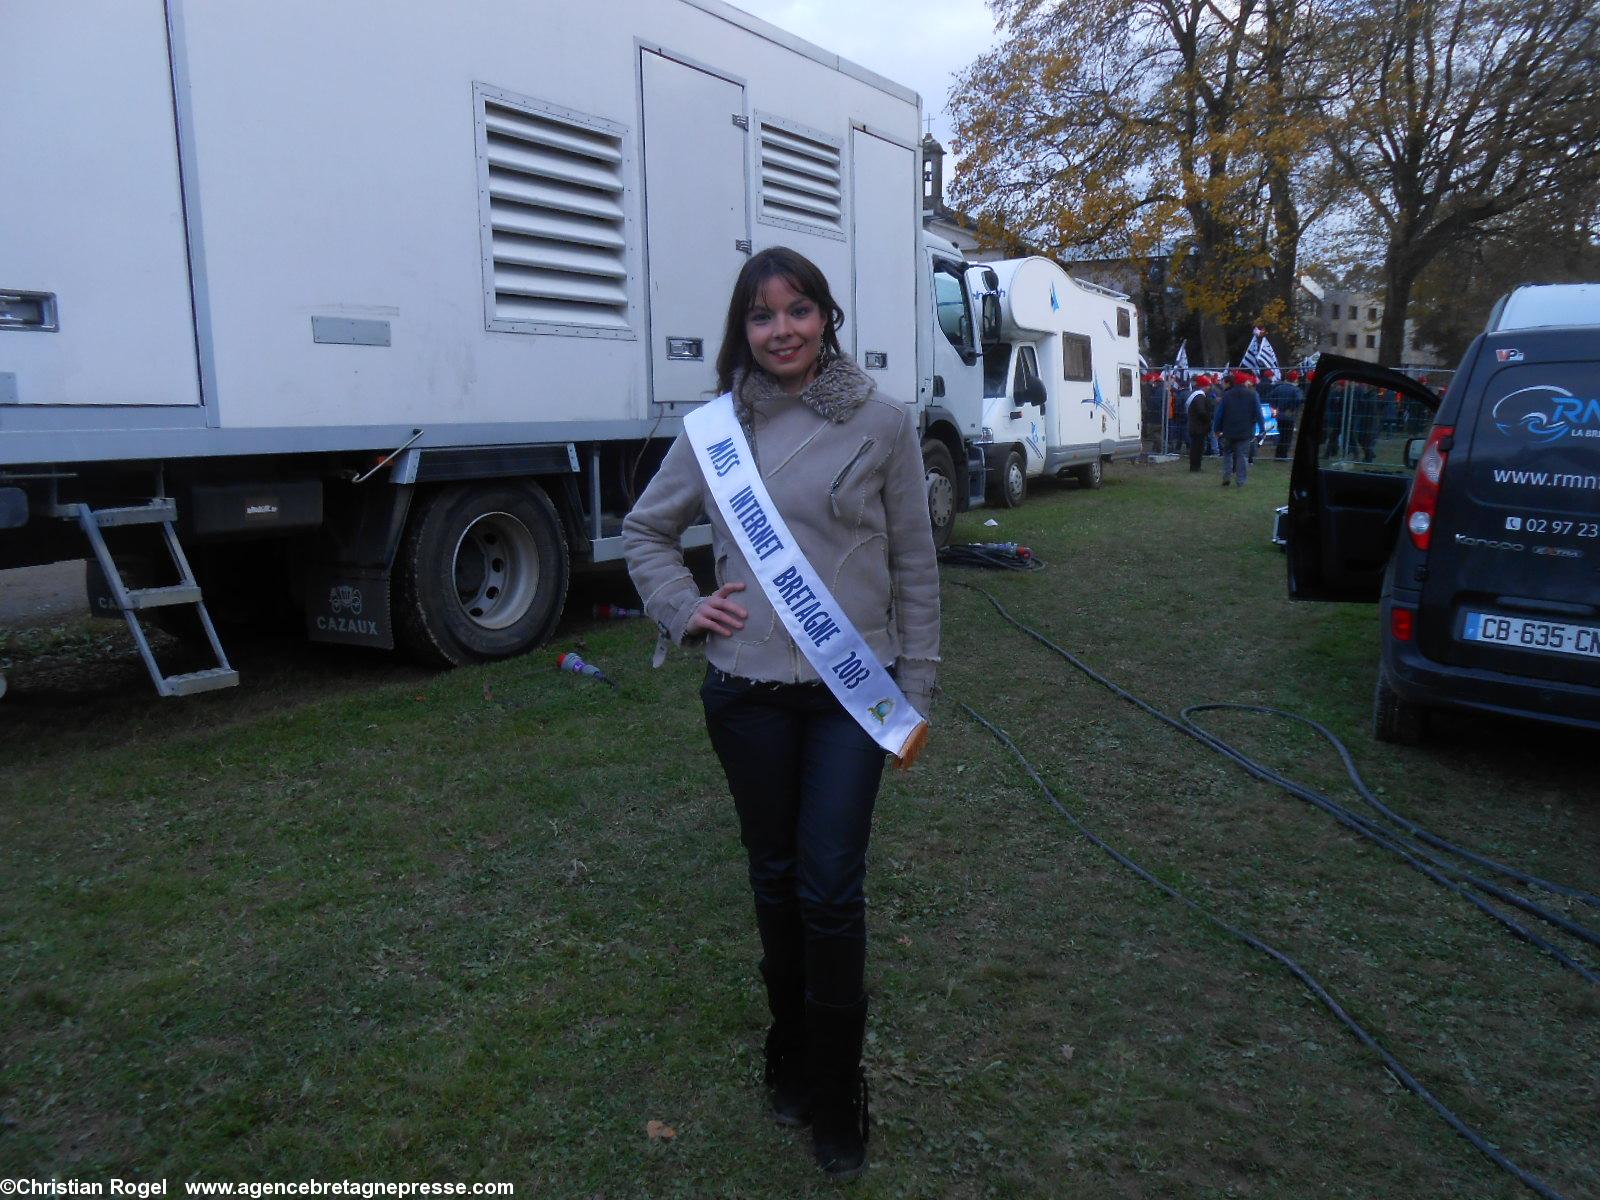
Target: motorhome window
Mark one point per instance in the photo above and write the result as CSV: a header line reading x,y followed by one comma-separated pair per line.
x,y
1027,370
1124,323
1124,382
1076,365
996,369
952,304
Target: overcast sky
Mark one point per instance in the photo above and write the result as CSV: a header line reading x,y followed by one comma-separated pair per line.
x,y
918,43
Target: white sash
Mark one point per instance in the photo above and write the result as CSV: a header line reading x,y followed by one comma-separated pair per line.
x,y
802,601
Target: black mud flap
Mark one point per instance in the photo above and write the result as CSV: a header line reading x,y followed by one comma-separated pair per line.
x,y
102,603
349,606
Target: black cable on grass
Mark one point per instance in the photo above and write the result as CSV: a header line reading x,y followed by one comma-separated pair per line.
x,y
1434,867
997,556
1405,823
1393,1064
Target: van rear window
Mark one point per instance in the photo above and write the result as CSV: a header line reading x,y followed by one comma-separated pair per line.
x,y
1536,441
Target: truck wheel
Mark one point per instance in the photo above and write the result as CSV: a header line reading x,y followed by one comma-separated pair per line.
x,y
939,472
1090,475
1012,488
1393,720
482,573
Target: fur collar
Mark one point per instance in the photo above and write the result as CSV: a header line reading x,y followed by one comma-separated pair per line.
x,y
838,390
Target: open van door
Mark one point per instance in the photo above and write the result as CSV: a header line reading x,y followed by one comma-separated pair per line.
x,y
1351,476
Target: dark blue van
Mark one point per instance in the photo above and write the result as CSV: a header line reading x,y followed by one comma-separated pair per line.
x,y
1472,519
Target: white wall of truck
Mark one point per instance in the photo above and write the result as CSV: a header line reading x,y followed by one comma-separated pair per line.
x,y
265,243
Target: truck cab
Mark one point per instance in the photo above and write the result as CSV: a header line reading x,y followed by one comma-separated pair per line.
x,y
956,320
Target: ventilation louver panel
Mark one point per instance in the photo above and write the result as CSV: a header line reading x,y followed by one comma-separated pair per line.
x,y
800,179
557,220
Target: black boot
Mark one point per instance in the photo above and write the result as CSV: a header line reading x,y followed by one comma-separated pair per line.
x,y
839,1115
788,1089
783,970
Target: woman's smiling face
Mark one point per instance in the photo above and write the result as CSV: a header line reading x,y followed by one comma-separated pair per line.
x,y
784,329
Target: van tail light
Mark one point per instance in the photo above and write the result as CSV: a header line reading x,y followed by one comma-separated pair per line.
x,y
1402,623
1424,500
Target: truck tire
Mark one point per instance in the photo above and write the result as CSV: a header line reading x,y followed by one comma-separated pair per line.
x,y
1011,488
1090,475
939,473
1393,720
482,573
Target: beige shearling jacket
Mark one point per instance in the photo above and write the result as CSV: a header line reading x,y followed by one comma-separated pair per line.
x,y
852,490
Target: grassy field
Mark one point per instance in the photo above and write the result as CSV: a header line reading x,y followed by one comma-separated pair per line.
x,y
357,920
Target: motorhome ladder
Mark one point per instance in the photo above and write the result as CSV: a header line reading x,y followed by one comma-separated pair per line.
x,y
162,511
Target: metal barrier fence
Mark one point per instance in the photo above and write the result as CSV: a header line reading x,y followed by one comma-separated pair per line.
x,y
1368,426
1361,423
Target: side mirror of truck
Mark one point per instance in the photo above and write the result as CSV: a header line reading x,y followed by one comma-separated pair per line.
x,y
1415,448
969,349
990,304
1033,393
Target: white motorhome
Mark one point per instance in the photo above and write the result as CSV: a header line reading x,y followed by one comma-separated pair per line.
x,y
391,311
1061,381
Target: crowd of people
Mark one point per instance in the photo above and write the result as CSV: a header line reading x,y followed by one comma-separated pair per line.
x,y
1225,415
1192,418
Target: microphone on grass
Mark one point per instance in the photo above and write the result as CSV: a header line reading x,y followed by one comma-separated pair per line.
x,y
571,662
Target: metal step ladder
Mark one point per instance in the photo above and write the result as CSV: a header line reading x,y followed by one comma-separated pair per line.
x,y
162,511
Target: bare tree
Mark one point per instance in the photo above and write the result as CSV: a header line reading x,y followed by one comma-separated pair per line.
x,y
1454,114
1557,242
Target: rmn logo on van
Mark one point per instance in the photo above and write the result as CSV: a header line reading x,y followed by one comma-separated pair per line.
x,y
1545,413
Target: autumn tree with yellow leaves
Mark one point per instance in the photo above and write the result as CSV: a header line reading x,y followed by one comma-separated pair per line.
x,y
1220,132
1127,127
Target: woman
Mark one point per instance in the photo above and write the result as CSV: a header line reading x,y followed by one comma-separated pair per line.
x,y
843,466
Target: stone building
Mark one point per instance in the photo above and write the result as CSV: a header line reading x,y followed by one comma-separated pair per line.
x,y
1347,322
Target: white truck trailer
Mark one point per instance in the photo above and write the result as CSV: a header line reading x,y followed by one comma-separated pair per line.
x,y
255,250
1061,379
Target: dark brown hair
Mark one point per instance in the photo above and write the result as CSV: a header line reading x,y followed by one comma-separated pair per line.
x,y
800,273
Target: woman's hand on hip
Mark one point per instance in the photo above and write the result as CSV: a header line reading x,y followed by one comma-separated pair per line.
x,y
717,613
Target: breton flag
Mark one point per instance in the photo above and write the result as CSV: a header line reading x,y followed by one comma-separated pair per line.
x,y
1261,357
1180,365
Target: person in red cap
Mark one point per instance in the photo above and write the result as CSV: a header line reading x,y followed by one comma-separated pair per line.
x,y
1198,408
1238,420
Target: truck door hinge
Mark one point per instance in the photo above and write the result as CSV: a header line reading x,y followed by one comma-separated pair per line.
x,y
742,121
743,246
